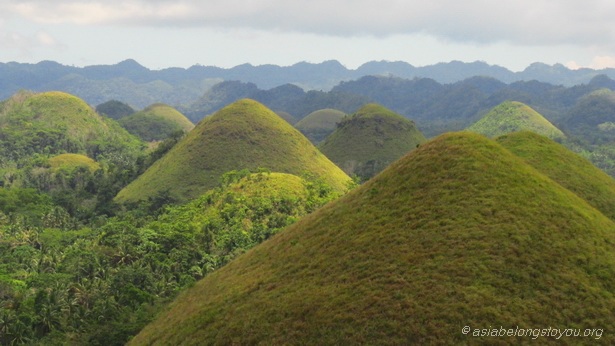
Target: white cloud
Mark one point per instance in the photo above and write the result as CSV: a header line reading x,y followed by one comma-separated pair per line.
x,y
602,62
483,21
23,45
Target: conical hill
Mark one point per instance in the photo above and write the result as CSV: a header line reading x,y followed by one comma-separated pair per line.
x,y
369,140
156,122
243,135
512,116
319,124
460,232
565,167
56,122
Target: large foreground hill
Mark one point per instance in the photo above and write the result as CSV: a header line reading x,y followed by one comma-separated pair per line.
x,y
243,135
568,169
460,232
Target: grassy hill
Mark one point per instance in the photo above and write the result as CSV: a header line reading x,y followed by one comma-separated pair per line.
x,y
593,109
319,124
512,116
460,232
156,122
70,162
52,123
568,169
243,135
369,140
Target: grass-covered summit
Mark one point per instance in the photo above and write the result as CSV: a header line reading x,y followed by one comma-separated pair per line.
x,y
319,124
72,162
512,116
460,232
243,135
568,169
156,122
54,122
367,141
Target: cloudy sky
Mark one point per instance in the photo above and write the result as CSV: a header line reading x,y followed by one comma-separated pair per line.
x,y
226,33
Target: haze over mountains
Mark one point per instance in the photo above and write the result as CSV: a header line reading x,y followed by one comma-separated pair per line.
x,y
139,86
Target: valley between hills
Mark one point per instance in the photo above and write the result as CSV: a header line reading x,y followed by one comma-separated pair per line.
x,y
387,210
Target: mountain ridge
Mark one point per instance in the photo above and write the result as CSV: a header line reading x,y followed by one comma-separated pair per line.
x,y
170,83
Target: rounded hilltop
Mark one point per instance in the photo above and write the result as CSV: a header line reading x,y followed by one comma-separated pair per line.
x,y
319,124
156,122
367,141
512,116
55,122
242,135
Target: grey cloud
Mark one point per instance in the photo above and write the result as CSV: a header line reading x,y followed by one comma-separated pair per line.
x,y
481,21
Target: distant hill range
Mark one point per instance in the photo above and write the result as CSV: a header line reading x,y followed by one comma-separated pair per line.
x,y
139,86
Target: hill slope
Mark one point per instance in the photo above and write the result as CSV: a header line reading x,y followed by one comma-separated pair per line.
x,y
156,122
512,116
317,125
459,232
369,140
565,167
243,135
53,123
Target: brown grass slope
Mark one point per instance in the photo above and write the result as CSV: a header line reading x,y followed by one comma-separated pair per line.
x,y
459,232
570,170
243,135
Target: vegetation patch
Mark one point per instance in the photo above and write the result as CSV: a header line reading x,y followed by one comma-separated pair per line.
x,y
70,162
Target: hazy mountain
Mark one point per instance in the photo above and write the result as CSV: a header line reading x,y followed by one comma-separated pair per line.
x,y
132,83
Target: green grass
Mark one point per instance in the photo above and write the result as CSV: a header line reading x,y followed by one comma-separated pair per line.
x,y
55,122
156,122
512,116
565,167
458,232
243,135
319,124
369,140
70,162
